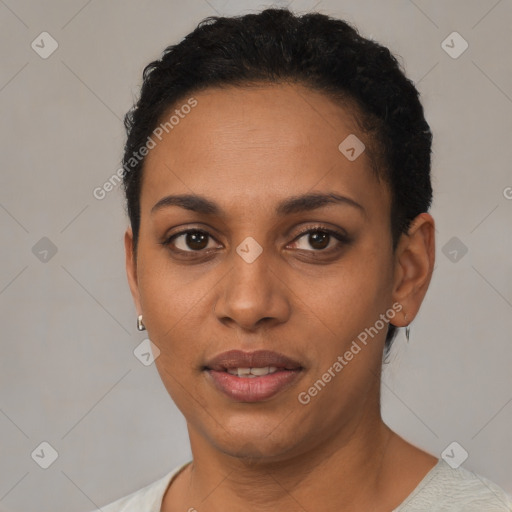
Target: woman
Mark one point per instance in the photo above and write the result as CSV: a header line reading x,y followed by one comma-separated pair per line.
x,y
277,176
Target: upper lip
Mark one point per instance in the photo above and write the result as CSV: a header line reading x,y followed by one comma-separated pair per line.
x,y
256,359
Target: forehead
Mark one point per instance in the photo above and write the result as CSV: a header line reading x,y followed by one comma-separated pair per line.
x,y
258,143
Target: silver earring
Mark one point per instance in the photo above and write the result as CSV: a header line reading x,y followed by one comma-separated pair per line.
x,y
407,330
140,325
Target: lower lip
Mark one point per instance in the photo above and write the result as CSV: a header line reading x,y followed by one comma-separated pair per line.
x,y
257,389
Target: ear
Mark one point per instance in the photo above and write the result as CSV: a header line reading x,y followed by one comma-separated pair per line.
x,y
414,264
131,269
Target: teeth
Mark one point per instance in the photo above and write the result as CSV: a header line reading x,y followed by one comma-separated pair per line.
x,y
252,372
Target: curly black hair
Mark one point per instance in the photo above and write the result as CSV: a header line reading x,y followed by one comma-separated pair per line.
x,y
320,52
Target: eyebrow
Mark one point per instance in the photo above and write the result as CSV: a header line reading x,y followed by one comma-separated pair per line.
x,y
291,205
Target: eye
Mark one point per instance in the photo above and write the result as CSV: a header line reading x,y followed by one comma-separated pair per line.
x,y
319,239
192,240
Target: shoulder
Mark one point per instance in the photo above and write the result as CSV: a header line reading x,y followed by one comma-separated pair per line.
x,y
148,498
449,490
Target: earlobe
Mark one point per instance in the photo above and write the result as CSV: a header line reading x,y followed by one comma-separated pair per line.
x,y
131,269
414,264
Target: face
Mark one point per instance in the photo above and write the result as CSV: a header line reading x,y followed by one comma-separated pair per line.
x,y
249,266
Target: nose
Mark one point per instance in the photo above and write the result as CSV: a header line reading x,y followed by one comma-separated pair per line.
x,y
253,295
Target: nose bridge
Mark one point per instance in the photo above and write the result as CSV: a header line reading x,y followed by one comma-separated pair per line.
x,y
252,290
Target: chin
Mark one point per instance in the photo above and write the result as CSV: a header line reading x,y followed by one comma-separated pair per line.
x,y
258,442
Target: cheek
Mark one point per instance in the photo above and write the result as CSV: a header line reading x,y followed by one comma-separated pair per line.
x,y
168,291
174,312
353,294
171,299
346,322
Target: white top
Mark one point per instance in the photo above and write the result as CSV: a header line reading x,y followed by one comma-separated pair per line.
x,y
443,489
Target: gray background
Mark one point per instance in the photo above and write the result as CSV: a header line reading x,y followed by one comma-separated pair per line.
x,y
68,375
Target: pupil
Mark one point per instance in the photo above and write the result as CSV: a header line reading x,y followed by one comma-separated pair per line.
x,y
318,238
196,240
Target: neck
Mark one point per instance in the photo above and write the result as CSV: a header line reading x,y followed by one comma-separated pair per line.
x,y
348,469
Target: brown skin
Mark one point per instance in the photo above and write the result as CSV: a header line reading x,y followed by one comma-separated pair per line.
x,y
247,149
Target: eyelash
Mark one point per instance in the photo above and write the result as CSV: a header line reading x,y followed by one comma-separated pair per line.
x,y
338,235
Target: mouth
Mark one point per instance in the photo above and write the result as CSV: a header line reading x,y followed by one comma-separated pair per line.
x,y
252,376
257,360
251,373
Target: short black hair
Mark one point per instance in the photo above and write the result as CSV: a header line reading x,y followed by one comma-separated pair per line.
x,y
318,51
